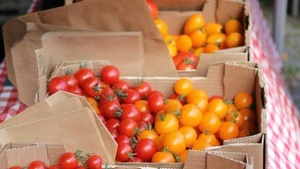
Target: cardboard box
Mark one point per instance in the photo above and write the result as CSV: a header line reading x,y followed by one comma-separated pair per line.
x,y
219,11
23,35
23,153
224,79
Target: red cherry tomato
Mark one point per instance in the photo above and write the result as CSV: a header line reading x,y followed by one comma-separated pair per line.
x,y
37,165
83,74
128,127
68,160
130,96
129,111
56,84
122,138
144,88
76,90
92,87
156,102
152,8
110,74
123,152
94,162
145,148
71,80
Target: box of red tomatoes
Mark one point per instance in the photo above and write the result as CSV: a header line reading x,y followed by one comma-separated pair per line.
x,y
220,118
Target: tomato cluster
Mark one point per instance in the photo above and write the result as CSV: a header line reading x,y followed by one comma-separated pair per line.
x,y
68,160
152,127
199,37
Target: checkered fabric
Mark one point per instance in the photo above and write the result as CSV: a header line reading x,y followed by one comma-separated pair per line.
x,y
9,103
283,125
283,130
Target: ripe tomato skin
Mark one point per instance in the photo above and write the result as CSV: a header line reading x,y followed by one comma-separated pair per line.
x,y
92,87
183,86
122,138
56,84
165,123
174,141
37,165
110,74
243,100
145,148
109,109
120,86
83,74
156,102
94,162
15,167
147,118
218,107
128,127
129,111
68,160
210,123
132,96
163,157
228,130
122,152
190,115
113,123
152,8
144,88
71,80
76,90
195,21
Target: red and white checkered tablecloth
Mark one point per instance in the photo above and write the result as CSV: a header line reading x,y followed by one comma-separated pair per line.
x,y
283,119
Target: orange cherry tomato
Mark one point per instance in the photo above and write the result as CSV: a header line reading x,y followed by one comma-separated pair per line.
x,y
195,21
165,123
183,156
243,100
211,48
161,26
195,93
234,39
249,115
200,102
218,107
148,133
190,115
233,25
183,86
189,134
212,28
174,141
142,106
200,144
231,108
236,117
253,129
198,51
228,130
210,138
163,157
244,133
210,123
184,43
217,38
198,37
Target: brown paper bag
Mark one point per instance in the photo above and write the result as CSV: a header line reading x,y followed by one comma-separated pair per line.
x,y
104,15
76,130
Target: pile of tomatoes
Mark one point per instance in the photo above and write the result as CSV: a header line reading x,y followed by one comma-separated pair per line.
x,y
152,127
68,160
198,37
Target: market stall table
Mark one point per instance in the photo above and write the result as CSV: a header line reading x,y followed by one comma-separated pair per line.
x,y
283,121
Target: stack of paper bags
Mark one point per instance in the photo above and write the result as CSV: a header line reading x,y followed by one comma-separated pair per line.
x,y
63,118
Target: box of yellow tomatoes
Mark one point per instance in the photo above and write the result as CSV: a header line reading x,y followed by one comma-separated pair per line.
x,y
198,33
